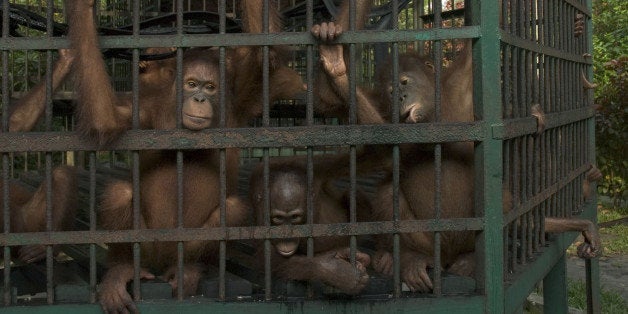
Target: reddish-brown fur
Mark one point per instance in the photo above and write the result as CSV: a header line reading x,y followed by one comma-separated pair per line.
x,y
28,208
417,190
104,115
288,206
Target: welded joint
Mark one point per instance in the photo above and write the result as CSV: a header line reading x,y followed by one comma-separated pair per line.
x,y
537,112
586,84
498,131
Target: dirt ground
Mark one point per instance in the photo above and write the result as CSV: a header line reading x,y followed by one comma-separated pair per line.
x,y
613,272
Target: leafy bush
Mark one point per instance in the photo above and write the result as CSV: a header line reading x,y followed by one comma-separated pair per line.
x,y
610,44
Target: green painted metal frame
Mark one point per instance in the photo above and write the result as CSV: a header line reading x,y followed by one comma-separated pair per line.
x,y
453,305
488,156
490,133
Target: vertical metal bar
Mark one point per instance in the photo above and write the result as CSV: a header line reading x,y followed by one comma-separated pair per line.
x,y
515,82
554,24
488,156
49,251
515,244
136,159
526,19
5,157
569,28
539,157
563,29
503,8
521,27
543,23
180,224
546,171
396,164
417,9
309,120
92,226
510,81
529,77
513,17
591,265
48,156
562,169
521,191
266,158
437,61
551,84
352,120
222,11
180,157
534,21
505,235
135,68
521,84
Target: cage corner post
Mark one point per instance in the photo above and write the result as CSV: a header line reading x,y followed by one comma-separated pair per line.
x,y
489,155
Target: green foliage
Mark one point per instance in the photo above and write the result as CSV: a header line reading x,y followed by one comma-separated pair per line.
x,y
615,240
612,302
607,213
610,45
576,294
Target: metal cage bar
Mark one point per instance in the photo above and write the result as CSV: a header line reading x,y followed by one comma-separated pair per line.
x,y
517,46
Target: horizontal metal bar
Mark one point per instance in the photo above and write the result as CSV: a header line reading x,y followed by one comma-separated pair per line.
x,y
450,305
538,48
513,128
557,119
320,135
239,233
230,40
537,199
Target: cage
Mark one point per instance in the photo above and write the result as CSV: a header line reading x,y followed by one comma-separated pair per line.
x,y
525,55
